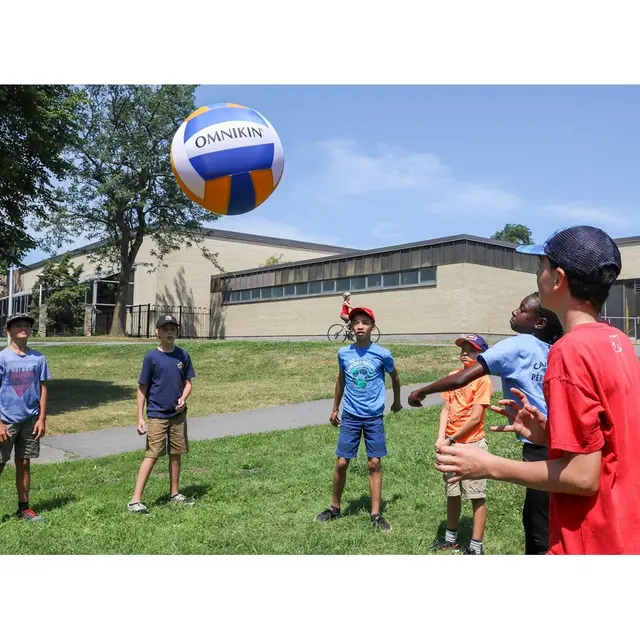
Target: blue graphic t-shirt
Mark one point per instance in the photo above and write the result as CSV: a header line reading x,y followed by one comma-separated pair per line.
x,y
364,371
164,374
20,384
521,362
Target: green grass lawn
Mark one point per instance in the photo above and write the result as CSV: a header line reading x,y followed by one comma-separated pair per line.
x,y
94,387
257,494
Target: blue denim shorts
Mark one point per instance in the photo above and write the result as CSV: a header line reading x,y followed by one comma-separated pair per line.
x,y
351,430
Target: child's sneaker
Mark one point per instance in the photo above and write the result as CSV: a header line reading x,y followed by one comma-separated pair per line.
x,y
379,522
29,514
137,507
443,545
180,499
328,514
470,552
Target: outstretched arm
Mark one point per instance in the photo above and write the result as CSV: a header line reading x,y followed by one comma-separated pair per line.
x,y
451,382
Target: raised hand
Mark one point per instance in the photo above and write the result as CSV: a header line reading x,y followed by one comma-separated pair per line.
x,y
526,420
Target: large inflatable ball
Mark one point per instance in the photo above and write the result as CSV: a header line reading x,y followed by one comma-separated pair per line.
x,y
227,158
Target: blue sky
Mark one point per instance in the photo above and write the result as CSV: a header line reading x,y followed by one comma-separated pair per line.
x,y
369,166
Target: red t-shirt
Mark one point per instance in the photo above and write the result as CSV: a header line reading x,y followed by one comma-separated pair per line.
x,y
592,389
345,310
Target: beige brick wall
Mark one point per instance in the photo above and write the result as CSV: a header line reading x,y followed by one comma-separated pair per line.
x,y
186,280
630,262
467,298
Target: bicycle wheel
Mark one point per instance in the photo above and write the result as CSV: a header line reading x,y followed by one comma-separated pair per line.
x,y
337,333
375,334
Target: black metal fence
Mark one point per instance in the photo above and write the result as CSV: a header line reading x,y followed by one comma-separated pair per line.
x,y
195,322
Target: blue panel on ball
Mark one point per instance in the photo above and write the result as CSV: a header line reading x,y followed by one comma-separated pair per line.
x,y
217,116
240,160
242,197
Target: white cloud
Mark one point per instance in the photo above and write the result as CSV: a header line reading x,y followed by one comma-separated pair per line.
x,y
581,213
347,171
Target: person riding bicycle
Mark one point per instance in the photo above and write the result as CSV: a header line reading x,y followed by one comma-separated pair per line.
x,y
346,307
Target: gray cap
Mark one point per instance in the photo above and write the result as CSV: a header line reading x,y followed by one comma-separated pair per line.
x,y
19,316
166,319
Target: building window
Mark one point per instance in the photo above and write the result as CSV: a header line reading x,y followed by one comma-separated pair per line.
x,y
390,279
377,281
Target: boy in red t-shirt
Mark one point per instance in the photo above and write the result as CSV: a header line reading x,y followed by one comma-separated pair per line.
x,y
346,307
591,388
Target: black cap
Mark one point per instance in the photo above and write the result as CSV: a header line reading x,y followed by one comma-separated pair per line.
x,y
19,316
583,251
166,319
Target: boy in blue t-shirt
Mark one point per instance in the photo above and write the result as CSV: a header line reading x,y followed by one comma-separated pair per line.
x,y
23,407
520,362
362,368
165,385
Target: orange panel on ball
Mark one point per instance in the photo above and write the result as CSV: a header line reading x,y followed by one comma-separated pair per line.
x,y
216,195
262,184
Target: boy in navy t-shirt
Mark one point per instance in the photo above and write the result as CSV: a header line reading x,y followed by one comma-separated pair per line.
x,y
362,368
165,385
23,407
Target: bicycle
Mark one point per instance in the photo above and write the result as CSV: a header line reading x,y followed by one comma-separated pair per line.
x,y
339,333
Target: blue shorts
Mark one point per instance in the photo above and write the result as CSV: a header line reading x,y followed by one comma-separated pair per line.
x,y
351,429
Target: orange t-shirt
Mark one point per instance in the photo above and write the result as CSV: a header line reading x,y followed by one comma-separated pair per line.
x,y
461,404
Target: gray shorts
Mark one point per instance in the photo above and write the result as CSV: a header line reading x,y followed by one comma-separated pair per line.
x,y
21,436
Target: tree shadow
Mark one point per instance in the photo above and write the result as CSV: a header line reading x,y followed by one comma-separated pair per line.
x,y
71,394
192,492
363,503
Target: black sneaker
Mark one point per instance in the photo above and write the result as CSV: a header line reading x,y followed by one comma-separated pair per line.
x,y
443,545
328,514
470,552
379,522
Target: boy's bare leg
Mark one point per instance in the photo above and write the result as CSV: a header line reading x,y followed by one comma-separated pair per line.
x,y
375,484
454,508
174,474
479,518
23,479
339,480
143,476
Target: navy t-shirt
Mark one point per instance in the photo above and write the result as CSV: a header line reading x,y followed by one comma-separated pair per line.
x,y
165,374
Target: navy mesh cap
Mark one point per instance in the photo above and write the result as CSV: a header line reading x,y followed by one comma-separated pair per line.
x,y
583,251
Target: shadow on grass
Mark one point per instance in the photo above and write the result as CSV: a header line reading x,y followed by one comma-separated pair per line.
x,y
192,492
363,503
67,395
465,528
47,505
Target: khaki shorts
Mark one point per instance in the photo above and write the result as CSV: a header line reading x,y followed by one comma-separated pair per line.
x,y
21,437
167,434
469,489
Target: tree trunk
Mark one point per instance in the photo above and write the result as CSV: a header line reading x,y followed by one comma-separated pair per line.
x,y
119,322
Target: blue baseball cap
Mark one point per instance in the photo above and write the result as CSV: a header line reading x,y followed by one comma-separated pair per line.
x,y
474,340
581,250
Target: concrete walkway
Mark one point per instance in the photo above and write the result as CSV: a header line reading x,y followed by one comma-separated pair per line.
x,y
95,444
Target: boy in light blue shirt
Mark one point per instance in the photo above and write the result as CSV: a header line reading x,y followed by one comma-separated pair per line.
x,y
520,362
361,374
23,407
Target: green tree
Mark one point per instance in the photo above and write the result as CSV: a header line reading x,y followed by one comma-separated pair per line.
x,y
38,127
276,258
63,294
123,189
515,233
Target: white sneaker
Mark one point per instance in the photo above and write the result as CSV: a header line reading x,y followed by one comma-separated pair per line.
x,y
180,499
137,507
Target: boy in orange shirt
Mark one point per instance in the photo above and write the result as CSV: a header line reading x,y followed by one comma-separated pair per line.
x,y
462,423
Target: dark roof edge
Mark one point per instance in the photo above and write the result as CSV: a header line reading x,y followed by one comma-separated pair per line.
x,y
367,252
218,233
